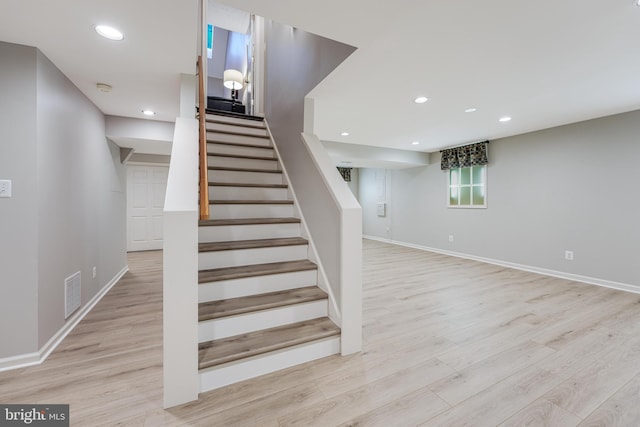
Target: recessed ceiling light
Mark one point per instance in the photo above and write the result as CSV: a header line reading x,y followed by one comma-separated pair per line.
x,y
345,134
471,110
504,119
421,100
148,113
109,32
637,2
415,143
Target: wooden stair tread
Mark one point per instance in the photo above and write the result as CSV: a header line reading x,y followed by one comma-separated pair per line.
x,y
246,221
234,306
226,350
229,273
241,184
242,156
212,112
223,168
244,134
237,144
250,244
251,202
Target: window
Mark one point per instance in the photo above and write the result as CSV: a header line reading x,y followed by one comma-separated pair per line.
x,y
468,187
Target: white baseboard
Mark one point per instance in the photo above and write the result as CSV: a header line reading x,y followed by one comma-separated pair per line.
x,y
553,273
30,359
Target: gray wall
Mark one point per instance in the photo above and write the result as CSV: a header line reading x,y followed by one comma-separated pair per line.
x,y
18,227
573,187
294,56
77,201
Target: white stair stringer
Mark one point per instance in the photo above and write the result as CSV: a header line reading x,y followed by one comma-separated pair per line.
x,y
240,370
243,323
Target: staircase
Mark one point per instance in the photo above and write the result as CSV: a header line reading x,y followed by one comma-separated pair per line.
x,y
260,309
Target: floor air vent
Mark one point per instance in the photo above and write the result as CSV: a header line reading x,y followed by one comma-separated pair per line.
x,y
72,285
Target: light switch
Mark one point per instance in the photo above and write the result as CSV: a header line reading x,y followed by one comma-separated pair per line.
x,y
381,209
5,188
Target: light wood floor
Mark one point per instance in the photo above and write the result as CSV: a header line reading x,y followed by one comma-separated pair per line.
x,y
448,342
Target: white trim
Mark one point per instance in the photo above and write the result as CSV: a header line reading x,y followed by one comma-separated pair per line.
x,y
30,359
546,272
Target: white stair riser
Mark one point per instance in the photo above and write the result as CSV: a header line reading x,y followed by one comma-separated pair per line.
x,y
240,370
238,139
250,211
236,120
242,129
239,150
226,233
245,177
235,162
247,193
240,257
229,326
236,288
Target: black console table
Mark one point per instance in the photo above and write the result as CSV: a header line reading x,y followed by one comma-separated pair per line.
x,y
224,104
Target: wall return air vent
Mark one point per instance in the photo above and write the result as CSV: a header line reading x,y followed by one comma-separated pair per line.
x,y
72,286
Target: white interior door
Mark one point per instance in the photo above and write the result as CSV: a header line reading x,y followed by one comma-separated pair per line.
x,y
146,186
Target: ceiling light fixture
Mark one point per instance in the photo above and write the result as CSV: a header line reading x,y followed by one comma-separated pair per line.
x,y
109,32
103,87
415,143
637,2
421,100
344,134
471,110
148,113
505,119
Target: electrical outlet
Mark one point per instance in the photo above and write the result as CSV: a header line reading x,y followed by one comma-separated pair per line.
x,y
5,188
95,272
568,255
450,237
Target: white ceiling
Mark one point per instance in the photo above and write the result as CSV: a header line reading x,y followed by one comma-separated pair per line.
x,y
144,68
545,63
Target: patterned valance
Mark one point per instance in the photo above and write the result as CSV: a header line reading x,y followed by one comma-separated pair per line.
x,y
346,173
465,156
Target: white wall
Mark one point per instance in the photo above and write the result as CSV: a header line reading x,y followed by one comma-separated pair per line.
x,y
18,228
75,218
567,188
294,55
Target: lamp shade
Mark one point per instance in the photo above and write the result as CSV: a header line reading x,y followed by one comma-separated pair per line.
x,y
233,79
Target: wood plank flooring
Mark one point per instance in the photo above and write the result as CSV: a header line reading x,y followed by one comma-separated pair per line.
x,y
447,342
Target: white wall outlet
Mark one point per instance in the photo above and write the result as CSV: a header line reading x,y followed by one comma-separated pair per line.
x,y
5,188
568,255
95,272
450,237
